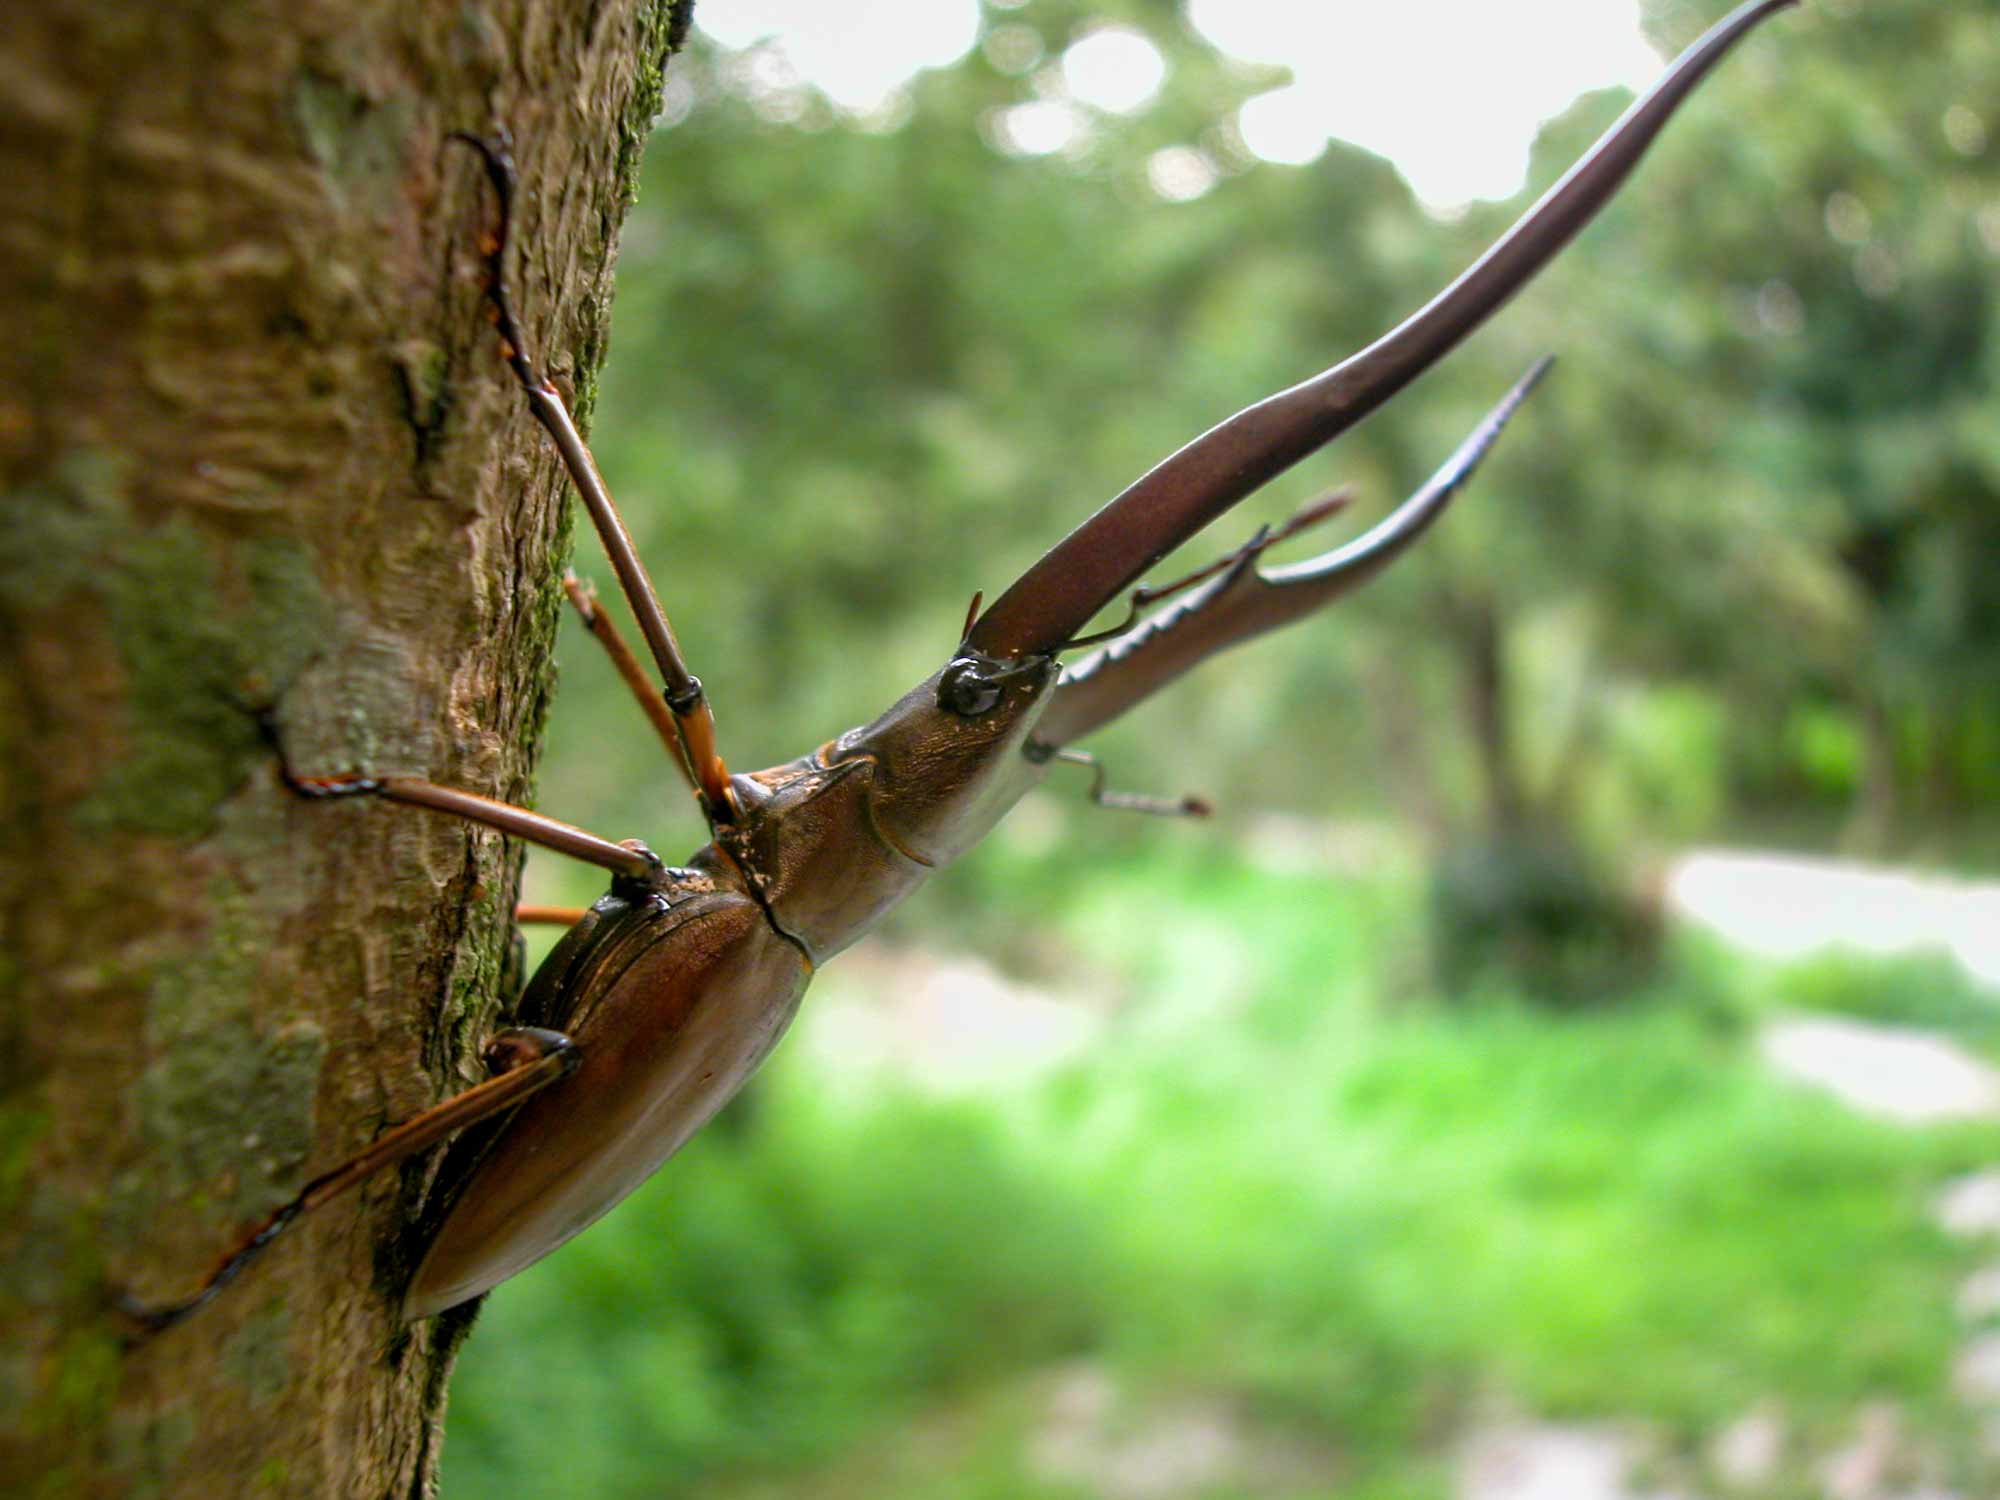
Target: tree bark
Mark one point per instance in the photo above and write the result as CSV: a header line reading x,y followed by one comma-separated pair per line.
x,y
258,448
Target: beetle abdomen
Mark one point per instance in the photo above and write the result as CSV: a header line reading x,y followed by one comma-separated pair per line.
x,y
693,1015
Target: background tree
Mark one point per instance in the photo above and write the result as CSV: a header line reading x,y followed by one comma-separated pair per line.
x,y
1862,464
257,448
1801,460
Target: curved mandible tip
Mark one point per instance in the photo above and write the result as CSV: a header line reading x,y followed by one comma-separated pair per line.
x,y
1346,568
1247,603
1052,602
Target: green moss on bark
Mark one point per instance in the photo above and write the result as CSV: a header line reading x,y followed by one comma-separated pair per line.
x,y
200,647
20,1128
146,1448
258,1358
362,143
226,1098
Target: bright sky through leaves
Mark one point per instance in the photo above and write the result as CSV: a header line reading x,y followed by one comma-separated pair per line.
x,y
856,52
1451,91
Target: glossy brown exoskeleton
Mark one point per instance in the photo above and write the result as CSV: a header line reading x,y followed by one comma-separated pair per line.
x,y
663,998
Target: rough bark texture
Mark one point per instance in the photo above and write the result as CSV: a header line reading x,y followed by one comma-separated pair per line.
x,y
257,446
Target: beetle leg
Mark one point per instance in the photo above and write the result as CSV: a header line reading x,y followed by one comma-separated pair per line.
x,y
630,859
524,1061
555,916
694,721
1159,807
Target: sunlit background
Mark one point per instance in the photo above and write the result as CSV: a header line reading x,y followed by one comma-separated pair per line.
x,y
1399,80
1564,1068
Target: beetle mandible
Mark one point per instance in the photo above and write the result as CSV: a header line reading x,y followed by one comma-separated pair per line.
x,y
661,1000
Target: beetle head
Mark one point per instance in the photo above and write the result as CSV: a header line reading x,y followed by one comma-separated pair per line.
x,y
947,757
838,837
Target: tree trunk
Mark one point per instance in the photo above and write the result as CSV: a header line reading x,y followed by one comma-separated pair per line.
x,y
258,448
1874,812
1475,619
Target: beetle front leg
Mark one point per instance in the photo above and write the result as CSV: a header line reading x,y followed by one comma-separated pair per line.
x,y
693,720
630,859
524,1061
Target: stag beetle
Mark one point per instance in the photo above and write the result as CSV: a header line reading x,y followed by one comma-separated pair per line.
x,y
661,1000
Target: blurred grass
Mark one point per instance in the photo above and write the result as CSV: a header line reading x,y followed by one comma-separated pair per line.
x,y
1286,1175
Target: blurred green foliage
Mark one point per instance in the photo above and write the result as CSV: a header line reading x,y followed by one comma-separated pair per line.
x,y
1732,571
1280,1176
1931,991
861,372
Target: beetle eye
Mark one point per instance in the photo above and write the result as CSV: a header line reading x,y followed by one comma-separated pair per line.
x,y
967,689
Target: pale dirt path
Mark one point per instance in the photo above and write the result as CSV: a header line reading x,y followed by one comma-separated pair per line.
x,y
1792,905
1786,906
